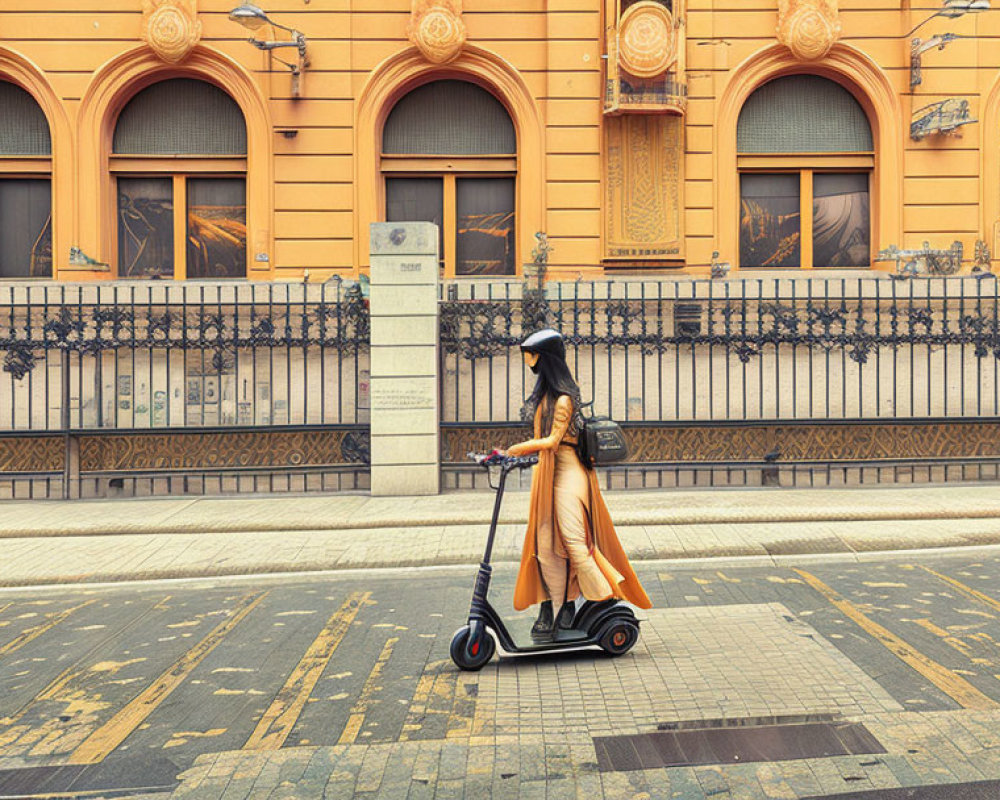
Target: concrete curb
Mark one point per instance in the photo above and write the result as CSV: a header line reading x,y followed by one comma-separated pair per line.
x,y
361,512
622,519
98,559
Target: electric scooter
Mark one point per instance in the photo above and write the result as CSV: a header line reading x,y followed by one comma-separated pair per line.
x,y
611,627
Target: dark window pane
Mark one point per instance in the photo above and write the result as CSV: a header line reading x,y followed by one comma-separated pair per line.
x,y
216,228
25,229
416,200
449,118
485,242
181,116
145,227
770,232
24,131
841,220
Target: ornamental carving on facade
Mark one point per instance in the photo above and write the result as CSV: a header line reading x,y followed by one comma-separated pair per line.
x,y
171,28
436,29
809,28
646,42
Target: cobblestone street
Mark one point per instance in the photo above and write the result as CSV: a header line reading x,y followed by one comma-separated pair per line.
x,y
334,686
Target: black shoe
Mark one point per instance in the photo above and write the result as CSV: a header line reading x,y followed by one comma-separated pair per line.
x,y
567,613
542,628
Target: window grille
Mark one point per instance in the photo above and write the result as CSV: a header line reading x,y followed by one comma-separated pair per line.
x,y
803,114
181,116
449,118
24,131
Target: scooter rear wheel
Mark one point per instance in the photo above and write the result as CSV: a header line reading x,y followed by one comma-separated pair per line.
x,y
461,656
619,637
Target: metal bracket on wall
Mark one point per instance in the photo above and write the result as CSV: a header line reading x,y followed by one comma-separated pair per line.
x,y
944,117
918,47
935,262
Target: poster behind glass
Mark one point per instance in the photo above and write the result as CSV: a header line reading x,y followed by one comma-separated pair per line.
x,y
485,236
25,228
216,228
416,200
145,228
770,229
841,220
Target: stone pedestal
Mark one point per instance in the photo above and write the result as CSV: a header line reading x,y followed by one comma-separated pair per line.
x,y
404,358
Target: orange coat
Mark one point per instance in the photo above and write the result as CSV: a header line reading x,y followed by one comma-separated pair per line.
x,y
602,539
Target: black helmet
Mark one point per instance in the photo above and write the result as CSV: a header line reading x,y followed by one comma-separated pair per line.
x,y
546,340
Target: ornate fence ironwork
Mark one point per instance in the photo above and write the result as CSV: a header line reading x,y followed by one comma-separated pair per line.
x,y
281,366
661,354
744,325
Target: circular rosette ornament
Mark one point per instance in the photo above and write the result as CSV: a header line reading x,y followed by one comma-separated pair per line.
x,y
439,34
810,33
171,29
646,43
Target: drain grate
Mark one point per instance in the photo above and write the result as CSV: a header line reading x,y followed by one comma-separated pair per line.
x,y
734,743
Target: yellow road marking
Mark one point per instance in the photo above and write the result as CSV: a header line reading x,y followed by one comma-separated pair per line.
x,y
33,633
357,718
946,637
278,721
418,707
58,683
462,709
968,591
5,606
957,688
106,738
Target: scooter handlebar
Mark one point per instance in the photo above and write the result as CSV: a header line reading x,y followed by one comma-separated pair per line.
x,y
498,459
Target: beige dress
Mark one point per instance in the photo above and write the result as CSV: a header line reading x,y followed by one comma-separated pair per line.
x,y
570,547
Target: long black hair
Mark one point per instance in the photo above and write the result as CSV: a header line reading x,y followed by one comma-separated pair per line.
x,y
554,377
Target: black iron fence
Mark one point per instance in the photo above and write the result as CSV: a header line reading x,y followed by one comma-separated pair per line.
x,y
151,388
738,381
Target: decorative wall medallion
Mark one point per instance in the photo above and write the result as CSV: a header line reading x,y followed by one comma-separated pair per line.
x,y
171,28
646,42
437,29
809,28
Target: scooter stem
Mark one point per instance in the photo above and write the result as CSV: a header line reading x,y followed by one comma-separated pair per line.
x,y
496,515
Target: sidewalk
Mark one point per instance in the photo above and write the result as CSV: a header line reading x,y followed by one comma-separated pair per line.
x,y
45,542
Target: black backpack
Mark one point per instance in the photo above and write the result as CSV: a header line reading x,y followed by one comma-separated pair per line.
x,y
601,442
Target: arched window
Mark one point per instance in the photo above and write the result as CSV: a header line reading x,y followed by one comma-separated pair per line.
x,y
805,156
25,186
449,156
179,162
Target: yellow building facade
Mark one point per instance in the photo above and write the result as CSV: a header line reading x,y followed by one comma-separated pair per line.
x,y
641,137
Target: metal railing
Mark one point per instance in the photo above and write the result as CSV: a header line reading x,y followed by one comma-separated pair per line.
x,y
109,366
699,353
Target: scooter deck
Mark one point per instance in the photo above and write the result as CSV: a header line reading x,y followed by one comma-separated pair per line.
x,y
567,640
564,636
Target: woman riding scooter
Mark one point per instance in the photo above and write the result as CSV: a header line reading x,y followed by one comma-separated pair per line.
x,y
570,547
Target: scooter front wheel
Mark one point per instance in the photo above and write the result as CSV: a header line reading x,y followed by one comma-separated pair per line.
x,y
461,652
619,637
